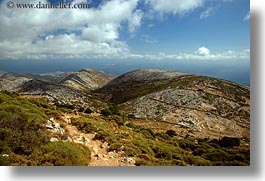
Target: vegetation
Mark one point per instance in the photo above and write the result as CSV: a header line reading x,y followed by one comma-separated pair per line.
x,y
25,141
60,153
151,148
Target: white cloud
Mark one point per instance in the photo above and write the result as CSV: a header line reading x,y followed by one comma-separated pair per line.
x,y
135,21
203,51
50,33
208,12
227,55
247,16
88,33
175,7
100,33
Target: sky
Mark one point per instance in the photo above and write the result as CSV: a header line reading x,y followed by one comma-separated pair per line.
x,y
141,30
148,29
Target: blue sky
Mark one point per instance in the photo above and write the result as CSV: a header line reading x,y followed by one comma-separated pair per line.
x,y
223,30
128,29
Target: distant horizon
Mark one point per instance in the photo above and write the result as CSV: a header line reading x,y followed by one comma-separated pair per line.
x,y
236,71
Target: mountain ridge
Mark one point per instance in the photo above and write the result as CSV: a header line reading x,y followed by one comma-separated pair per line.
x,y
143,117
204,105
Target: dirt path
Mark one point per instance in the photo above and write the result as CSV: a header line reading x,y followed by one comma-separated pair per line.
x,y
99,150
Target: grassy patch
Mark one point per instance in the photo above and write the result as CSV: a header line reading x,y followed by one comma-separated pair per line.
x,y
24,140
61,154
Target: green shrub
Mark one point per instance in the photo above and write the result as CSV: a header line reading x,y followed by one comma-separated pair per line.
x,y
162,152
115,146
132,150
217,155
229,142
81,109
142,162
84,125
106,112
53,113
105,136
61,154
171,133
111,110
196,160
118,119
19,135
66,106
147,133
199,151
88,111
188,144
143,145
162,136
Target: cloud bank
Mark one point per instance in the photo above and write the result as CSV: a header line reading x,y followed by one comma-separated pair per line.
x,y
48,33
201,54
90,33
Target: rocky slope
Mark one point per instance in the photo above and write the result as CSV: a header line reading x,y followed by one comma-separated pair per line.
x,y
159,99
144,117
136,84
65,90
190,104
85,79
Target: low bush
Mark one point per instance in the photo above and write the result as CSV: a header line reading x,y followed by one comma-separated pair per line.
x,y
106,112
171,133
188,144
61,154
111,110
88,111
142,162
115,146
229,142
196,160
118,119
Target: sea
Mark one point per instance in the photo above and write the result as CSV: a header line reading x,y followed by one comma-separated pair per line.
x,y
233,70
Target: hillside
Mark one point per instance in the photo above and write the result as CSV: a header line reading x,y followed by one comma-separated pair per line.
x,y
189,104
85,79
69,90
137,83
143,117
35,133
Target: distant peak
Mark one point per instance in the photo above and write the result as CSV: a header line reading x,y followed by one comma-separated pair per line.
x,y
143,75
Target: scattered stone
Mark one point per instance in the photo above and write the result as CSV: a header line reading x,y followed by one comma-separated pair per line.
x,y
57,125
49,126
104,145
129,160
69,139
54,140
78,142
100,156
95,150
67,119
86,139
